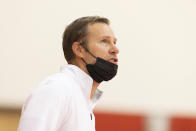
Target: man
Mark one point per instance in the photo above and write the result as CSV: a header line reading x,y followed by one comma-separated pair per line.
x,y
65,101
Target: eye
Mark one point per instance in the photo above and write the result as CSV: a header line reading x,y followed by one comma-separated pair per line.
x,y
104,40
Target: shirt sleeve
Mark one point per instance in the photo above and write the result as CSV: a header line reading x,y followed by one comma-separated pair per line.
x,y
44,110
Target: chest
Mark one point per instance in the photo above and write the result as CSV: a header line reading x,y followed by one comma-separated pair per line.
x,y
81,117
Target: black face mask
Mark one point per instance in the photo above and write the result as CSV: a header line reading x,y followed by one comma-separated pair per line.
x,y
102,70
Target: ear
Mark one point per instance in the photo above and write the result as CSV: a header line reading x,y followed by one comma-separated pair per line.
x,y
78,50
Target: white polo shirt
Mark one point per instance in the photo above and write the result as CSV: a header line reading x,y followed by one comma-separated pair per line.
x,y
61,103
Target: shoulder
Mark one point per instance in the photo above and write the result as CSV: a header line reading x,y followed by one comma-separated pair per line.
x,y
54,91
58,85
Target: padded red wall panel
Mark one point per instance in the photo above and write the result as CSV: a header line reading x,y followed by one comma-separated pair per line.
x,y
118,122
179,123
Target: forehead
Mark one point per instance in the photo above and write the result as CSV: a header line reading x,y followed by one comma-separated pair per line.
x,y
100,30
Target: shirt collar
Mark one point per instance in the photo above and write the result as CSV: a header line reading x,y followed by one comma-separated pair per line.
x,y
85,82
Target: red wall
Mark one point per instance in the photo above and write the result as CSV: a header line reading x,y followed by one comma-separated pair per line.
x,y
118,122
183,123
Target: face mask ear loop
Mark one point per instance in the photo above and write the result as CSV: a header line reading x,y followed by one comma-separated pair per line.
x,y
84,61
88,50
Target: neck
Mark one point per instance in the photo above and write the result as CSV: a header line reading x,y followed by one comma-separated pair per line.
x,y
82,66
95,85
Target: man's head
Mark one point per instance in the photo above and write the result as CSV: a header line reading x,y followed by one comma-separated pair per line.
x,y
92,33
